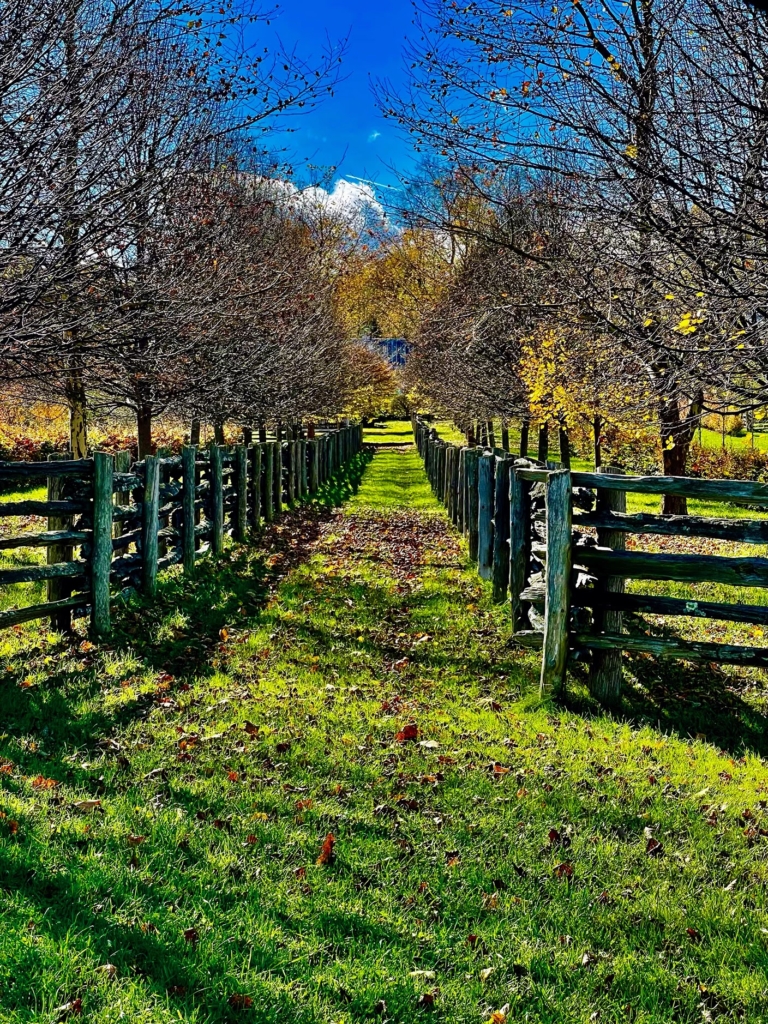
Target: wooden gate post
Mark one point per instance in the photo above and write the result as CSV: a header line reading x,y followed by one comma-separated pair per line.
x,y
217,501
605,674
519,546
501,531
256,486
101,550
241,492
554,660
150,525
485,516
269,481
188,488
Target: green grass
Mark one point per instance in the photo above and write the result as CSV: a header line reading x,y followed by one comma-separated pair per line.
x,y
501,857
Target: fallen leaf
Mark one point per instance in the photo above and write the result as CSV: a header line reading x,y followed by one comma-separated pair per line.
x,y
486,973
107,969
426,1000
191,935
499,1016
87,806
71,1009
240,1002
135,840
409,733
654,848
564,870
326,853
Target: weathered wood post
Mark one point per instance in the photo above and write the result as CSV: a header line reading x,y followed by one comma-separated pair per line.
x,y
59,588
241,492
501,531
150,525
269,482
290,472
312,456
461,496
557,606
519,546
188,488
217,500
101,551
256,485
605,674
485,515
278,485
303,471
450,497
472,510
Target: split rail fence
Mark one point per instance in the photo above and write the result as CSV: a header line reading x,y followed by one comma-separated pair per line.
x,y
114,526
525,524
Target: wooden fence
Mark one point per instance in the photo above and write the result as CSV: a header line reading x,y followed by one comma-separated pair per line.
x,y
526,522
114,526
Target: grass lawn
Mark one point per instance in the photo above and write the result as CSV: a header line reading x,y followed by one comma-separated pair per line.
x,y
317,784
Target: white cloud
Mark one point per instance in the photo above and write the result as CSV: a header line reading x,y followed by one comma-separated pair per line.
x,y
373,136
353,202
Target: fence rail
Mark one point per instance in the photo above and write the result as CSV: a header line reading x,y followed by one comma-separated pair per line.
x,y
525,523
130,522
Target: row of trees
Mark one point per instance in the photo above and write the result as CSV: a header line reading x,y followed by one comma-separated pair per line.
x,y
152,254
598,181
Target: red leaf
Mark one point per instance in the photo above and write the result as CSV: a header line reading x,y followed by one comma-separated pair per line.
x,y
409,733
564,870
240,1002
191,935
326,853
654,848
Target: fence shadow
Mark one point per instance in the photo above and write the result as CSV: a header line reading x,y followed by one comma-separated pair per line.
x,y
711,702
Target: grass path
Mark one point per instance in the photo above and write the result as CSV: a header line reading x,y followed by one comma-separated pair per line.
x,y
320,788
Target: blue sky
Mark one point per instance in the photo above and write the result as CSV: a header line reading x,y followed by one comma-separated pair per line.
x,y
347,129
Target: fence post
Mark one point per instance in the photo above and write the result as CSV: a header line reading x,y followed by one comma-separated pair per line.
x,y
313,467
471,497
290,474
122,465
501,531
519,546
241,492
461,492
278,487
485,516
605,674
59,588
188,488
151,504
101,550
256,486
269,482
558,582
304,475
217,501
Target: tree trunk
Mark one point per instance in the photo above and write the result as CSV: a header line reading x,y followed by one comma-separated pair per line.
x,y
565,445
247,435
597,430
505,435
279,432
262,432
194,432
218,432
311,430
525,428
144,431
677,432
78,428
543,443
490,436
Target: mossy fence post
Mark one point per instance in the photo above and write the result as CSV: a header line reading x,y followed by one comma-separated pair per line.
x,y
485,515
312,453
101,549
150,525
188,495
558,582
471,502
278,482
605,672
